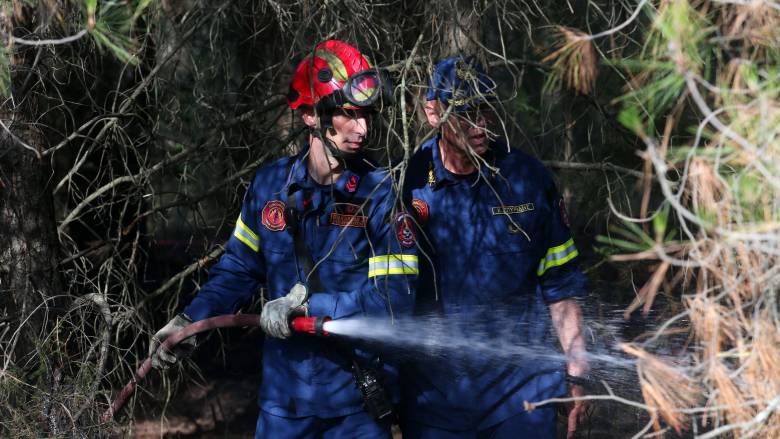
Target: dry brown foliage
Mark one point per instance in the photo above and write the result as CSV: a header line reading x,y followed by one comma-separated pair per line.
x,y
726,205
665,388
574,61
756,20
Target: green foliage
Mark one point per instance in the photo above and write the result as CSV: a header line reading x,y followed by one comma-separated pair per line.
x,y
91,6
757,201
523,105
660,93
631,238
139,9
49,390
660,221
631,118
675,46
111,24
680,153
679,31
5,72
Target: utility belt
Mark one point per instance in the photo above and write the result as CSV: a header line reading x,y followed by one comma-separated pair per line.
x,y
367,377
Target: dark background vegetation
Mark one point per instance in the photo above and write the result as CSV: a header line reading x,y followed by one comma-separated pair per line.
x,y
131,130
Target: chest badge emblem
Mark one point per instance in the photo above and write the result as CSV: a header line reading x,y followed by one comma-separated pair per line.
x,y
273,216
421,209
352,184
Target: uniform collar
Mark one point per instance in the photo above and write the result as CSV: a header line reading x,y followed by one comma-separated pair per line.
x,y
439,176
298,178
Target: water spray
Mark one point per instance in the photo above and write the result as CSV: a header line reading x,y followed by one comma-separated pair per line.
x,y
301,325
431,335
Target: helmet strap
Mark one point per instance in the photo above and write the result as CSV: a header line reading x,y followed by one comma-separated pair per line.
x,y
330,147
325,114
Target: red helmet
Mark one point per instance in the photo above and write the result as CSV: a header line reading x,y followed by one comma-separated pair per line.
x,y
340,73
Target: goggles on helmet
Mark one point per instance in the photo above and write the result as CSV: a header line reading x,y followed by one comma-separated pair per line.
x,y
364,89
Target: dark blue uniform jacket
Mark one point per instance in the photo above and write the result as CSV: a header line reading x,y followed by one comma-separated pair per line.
x,y
366,261
501,251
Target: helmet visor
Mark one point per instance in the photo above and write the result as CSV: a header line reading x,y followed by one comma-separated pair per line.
x,y
365,88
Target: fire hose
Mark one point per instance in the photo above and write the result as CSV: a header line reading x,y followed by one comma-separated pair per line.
x,y
308,325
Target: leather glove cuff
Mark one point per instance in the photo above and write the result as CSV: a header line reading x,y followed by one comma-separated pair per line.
x,y
184,317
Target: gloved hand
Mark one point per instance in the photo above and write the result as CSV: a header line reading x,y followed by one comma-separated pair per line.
x,y
163,360
276,314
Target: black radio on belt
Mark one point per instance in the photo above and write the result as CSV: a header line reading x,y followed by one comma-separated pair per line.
x,y
375,399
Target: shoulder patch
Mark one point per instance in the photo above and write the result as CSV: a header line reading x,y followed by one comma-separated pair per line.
x,y
404,230
421,209
273,216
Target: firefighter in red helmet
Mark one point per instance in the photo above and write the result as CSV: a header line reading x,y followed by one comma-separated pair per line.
x,y
321,233
337,80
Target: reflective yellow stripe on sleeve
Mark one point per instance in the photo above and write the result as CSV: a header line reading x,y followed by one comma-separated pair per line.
x,y
244,234
386,265
557,256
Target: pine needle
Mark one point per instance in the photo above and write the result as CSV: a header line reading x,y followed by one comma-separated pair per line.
x,y
573,62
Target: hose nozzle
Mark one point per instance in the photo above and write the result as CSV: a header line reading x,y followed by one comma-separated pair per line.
x,y
310,325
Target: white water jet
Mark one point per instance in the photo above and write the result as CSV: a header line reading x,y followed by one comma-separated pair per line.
x,y
427,336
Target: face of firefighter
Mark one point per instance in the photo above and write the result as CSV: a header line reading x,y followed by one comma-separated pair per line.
x,y
467,131
350,128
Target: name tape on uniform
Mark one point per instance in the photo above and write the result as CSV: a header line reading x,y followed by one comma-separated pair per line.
x,y
508,210
348,220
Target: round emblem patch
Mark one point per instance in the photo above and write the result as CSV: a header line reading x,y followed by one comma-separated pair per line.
x,y
421,209
352,183
404,226
564,215
273,216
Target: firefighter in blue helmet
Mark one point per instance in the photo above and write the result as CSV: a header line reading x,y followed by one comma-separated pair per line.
x,y
321,233
502,260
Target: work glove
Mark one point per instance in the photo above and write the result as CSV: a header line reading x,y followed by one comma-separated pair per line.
x,y
163,360
276,314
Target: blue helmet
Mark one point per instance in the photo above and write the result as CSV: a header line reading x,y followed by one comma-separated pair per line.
x,y
460,81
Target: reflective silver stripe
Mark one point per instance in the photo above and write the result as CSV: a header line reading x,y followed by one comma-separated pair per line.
x,y
392,264
244,234
557,256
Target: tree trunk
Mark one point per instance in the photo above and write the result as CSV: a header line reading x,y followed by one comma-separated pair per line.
x,y
460,28
28,240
